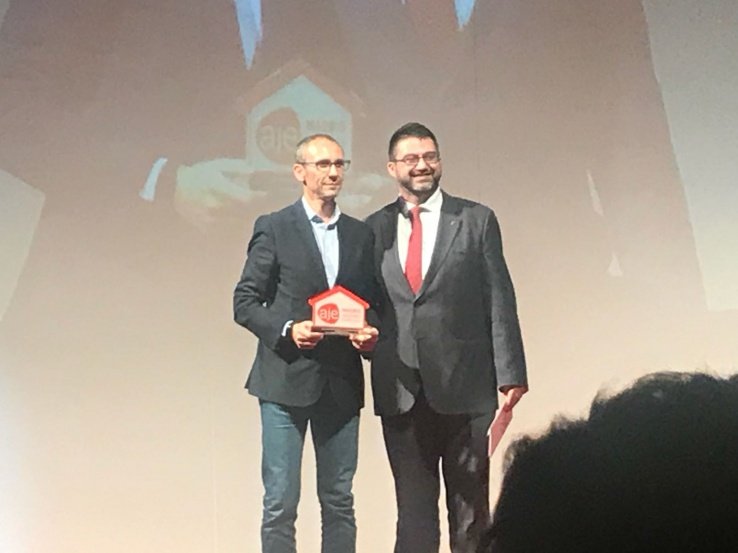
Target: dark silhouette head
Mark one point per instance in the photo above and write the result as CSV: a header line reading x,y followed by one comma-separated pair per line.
x,y
653,468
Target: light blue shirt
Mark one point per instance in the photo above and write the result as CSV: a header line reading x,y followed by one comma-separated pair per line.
x,y
326,236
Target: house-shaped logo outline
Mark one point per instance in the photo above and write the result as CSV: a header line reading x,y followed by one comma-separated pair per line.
x,y
297,71
345,298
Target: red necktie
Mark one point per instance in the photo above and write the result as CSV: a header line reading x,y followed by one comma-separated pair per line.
x,y
414,262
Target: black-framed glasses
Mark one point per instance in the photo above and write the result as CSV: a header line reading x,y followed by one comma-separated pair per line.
x,y
431,158
324,165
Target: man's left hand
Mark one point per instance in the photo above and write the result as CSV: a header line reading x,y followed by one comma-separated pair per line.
x,y
512,396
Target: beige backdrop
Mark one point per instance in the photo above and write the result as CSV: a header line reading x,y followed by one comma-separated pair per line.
x,y
124,426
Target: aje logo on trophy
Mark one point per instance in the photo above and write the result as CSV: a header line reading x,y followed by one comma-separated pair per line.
x,y
338,311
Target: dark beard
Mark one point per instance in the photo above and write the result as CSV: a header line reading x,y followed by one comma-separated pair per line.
x,y
433,185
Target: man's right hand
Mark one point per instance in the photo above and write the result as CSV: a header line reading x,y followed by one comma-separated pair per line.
x,y
303,336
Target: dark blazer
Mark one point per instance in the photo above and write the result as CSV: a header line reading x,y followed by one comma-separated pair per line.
x,y
282,270
460,334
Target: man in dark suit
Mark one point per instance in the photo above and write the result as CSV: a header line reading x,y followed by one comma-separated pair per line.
x,y
299,374
450,340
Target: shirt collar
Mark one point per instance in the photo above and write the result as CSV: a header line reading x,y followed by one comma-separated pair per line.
x,y
315,218
432,204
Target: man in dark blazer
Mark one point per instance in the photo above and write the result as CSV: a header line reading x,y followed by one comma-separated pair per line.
x,y
450,340
299,374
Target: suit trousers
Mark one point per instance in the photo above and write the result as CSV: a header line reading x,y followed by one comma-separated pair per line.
x,y
335,440
417,442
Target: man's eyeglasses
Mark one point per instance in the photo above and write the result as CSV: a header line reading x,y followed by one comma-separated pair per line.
x,y
324,165
431,158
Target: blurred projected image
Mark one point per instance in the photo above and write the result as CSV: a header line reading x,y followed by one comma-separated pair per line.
x,y
700,103
20,209
297,99
3,8
294,101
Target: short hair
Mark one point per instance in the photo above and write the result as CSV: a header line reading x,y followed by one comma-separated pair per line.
x,y
414,130
653,468
305,142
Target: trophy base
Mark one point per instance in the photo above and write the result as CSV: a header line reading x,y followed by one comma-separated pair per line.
x,y
337,331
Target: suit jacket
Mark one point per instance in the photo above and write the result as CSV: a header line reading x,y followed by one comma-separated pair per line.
x,y
459,336
282,270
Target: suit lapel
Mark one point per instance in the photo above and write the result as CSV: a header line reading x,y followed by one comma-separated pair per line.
x,y
305,240
346,246
449,225
391,268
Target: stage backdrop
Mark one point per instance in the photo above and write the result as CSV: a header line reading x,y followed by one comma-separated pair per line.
x,y
139,140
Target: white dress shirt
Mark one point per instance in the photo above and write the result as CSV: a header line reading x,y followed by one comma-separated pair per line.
x,y
430,215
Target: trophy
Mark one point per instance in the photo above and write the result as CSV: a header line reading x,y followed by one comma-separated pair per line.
x,y
338,311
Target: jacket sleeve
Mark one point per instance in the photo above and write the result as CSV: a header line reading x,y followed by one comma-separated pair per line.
x,y
256,289
507,342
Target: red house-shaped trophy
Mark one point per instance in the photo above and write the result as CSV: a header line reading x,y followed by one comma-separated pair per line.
x,y
338,311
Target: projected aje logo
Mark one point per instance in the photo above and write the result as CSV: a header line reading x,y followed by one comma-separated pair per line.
x,y
289,104
278,133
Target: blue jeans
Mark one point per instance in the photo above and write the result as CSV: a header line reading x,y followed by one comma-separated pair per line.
x,y
335,440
